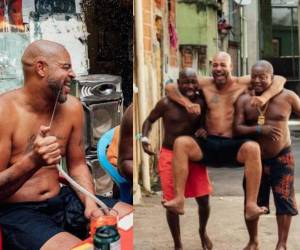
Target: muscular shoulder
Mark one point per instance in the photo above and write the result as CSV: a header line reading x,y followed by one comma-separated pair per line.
x,y
243,99
72,105
164,103
72,109
288,95
9,103
8,111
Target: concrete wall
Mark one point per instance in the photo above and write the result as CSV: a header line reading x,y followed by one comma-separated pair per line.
x,y
159,63
252,17
197,28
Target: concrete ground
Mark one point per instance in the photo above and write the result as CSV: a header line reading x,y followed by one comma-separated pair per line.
x,y
226,226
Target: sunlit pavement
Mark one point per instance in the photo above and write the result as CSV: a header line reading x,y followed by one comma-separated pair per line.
x,y
226,226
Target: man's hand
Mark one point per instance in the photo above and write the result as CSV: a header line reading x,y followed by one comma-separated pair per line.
x,y
271,131
46,148
93,212
201,132
258,101
147,148
193,108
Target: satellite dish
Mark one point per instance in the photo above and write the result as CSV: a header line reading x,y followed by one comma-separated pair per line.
x,y
243,2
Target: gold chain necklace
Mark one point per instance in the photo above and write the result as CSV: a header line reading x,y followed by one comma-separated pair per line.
x,y
261,117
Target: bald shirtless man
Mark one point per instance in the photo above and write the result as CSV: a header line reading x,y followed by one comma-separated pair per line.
x,y
273,136
177,122
34,208
221,92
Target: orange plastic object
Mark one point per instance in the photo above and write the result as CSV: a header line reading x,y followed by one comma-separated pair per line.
x,y
104,220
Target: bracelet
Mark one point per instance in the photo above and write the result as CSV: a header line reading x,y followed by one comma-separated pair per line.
x,y
138,136
145,139
258,129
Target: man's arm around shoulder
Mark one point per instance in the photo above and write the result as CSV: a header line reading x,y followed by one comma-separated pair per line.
x,y
174,94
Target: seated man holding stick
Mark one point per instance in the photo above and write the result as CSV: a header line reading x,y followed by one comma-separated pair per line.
x,y
40,124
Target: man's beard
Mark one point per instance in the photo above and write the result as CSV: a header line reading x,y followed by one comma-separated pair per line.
x,y
220,83
57,89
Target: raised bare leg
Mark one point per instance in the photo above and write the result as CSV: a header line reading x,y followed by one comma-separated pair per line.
x,y
185,148
203,211
174,226
61,241
283,224
249,154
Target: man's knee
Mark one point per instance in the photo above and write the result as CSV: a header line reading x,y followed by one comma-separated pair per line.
x,y
183,143
248,150
61,241
188,146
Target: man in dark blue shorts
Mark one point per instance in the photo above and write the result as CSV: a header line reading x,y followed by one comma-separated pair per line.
x,y
269,125
35,212
221,92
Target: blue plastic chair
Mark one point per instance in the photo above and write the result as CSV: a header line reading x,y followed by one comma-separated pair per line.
x,y
122,183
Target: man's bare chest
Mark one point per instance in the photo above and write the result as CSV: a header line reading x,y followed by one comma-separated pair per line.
x,y
275,110
27,130
216,99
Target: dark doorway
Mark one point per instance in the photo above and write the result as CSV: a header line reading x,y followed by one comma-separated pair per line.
x,y
110,23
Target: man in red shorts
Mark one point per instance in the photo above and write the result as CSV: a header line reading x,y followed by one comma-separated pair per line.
x,y
177,122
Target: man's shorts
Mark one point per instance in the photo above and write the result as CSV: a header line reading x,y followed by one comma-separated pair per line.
x,y
198,183
220,151
28,225
278,174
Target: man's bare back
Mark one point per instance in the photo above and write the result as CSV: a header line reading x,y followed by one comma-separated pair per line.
x,y
23,126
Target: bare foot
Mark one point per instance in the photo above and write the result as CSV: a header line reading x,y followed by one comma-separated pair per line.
x,y
178,248
281,246
206,242
254,211
252,246
176,205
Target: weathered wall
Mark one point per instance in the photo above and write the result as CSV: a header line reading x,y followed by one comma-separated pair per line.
x,y
252,18
198,28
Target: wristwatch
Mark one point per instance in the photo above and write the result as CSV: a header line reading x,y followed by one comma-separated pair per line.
x,y
145,139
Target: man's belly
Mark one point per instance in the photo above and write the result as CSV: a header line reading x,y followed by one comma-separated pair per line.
x,y
219,129
270,149
41,186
